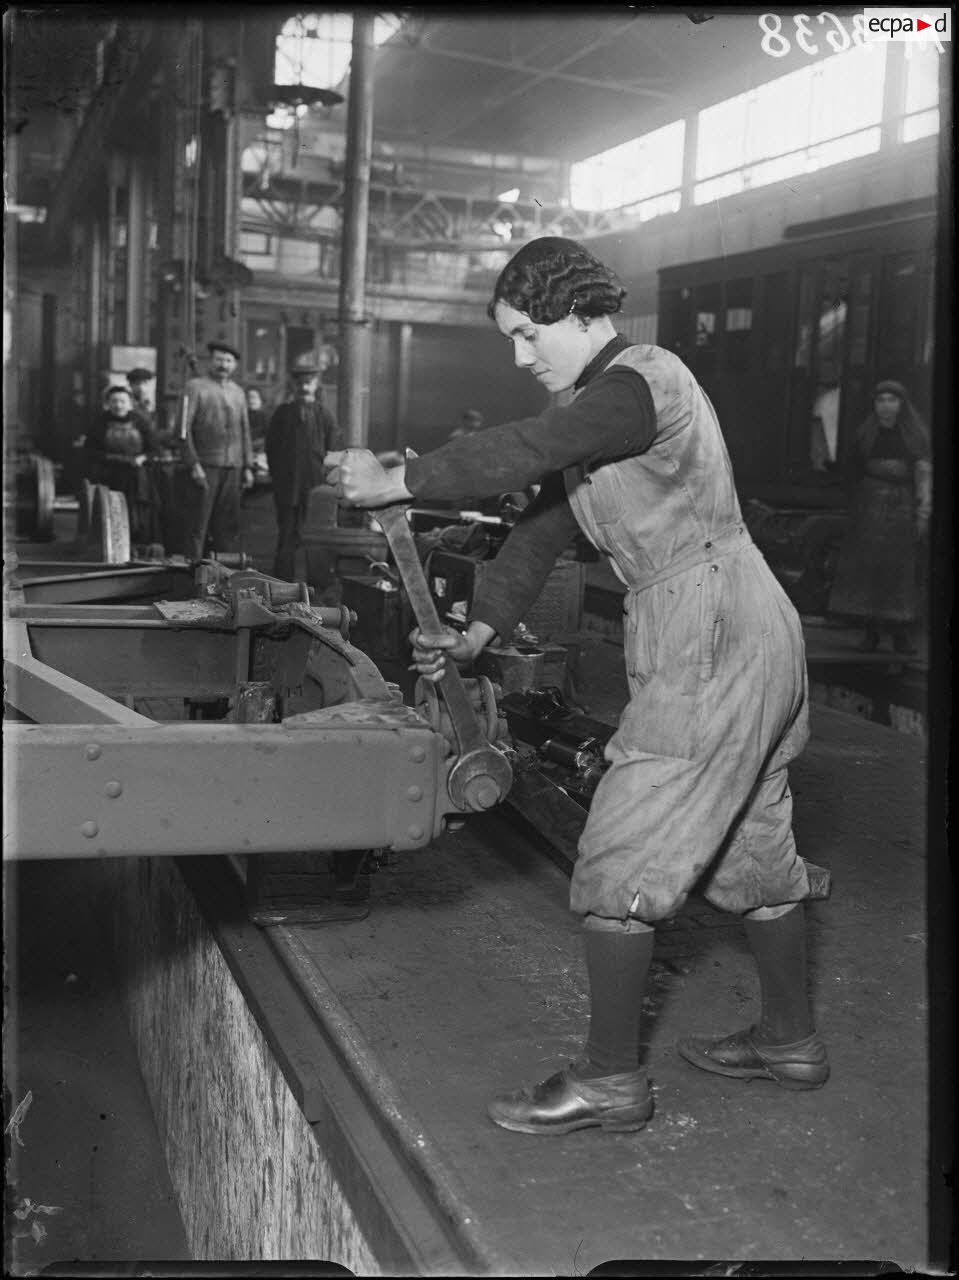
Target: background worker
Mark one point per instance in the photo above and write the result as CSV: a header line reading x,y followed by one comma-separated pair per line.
x,y
696,792
300,433
115,453
258,416
471,421
877,580
218,451
144,409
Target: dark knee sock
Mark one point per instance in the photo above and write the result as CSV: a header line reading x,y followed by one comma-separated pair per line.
x,y
617,965
779,948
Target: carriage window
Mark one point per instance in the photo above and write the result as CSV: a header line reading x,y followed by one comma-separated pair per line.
x,y
262,350
706,309
705,328
830,350
738,324
707,300
775,330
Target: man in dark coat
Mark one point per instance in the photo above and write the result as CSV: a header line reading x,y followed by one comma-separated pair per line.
x,y
301,431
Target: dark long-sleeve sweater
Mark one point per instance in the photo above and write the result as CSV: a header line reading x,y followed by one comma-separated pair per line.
x,y
612,418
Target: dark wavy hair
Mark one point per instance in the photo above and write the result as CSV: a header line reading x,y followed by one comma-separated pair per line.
x,y
552,277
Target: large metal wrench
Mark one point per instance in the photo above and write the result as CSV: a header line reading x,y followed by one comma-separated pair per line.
x,y
482,775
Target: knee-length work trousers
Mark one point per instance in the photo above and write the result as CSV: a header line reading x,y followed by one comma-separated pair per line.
x,y
696,793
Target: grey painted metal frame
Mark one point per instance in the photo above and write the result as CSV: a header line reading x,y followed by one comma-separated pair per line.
x,y
88,774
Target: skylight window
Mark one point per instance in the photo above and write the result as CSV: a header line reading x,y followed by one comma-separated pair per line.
x,y
817,116
921,100
646,171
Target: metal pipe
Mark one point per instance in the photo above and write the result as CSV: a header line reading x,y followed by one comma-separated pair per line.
x,y
137,251
401,410
353,391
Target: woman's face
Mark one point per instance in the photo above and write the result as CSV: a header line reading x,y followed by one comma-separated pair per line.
x,y
887,406
119,404
253,400
555,354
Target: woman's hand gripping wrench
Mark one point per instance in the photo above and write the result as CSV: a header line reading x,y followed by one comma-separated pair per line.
x,y
482,775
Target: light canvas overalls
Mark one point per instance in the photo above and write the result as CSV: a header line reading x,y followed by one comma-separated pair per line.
x,y
696,789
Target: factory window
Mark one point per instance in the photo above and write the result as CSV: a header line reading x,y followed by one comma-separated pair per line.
x,y
315,49
738,325
255,244
921,97
817,116
643,174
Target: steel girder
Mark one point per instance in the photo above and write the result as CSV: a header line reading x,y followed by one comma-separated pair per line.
x,y
348,766
358,776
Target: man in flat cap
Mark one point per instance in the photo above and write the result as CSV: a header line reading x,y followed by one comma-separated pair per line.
x,y
139,379
301,431
218,452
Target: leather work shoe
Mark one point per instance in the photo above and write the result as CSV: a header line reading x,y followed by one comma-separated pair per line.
x,y
564,1102
801,1065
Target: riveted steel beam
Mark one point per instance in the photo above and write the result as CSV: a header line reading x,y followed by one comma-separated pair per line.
x,y
356,776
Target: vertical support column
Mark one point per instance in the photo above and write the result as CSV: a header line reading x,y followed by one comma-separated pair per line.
x,y
404,359
893,94
11,329
176,207
137,257
689,160
353,397
49,424
95,272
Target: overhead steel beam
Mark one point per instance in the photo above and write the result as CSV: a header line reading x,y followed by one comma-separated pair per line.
x,y
632,88
536,77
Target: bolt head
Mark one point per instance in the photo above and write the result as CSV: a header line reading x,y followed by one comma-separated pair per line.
x,y
482,793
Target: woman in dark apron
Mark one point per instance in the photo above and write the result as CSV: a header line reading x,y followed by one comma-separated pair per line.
x,y
876,575
116,451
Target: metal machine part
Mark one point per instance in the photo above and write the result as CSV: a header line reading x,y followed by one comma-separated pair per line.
x,y
218,722
481,776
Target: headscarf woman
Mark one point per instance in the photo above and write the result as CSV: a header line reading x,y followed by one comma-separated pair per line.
x,y
876,575
115,453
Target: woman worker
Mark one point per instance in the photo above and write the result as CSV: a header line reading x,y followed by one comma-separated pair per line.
x,y
696,791
876,574
115,453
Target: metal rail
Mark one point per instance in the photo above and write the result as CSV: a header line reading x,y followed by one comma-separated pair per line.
x,y
413,1207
